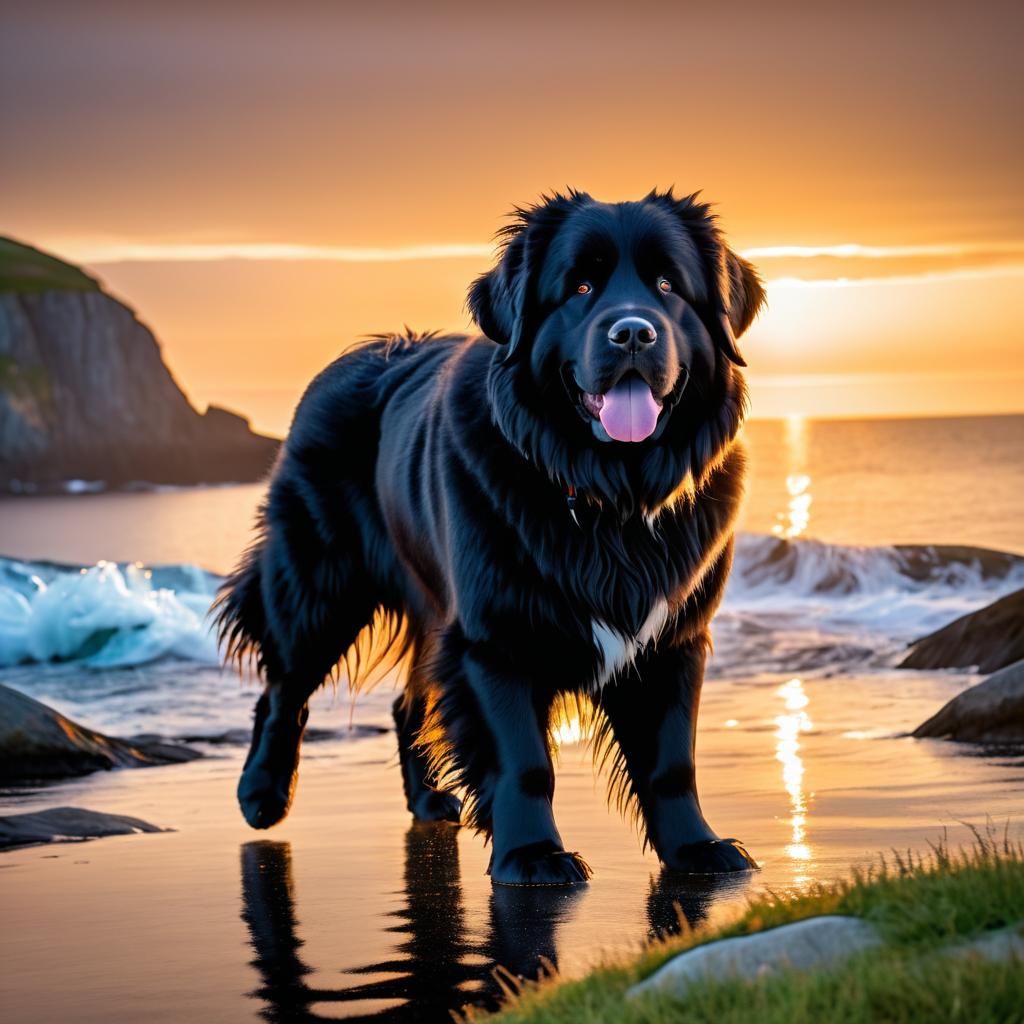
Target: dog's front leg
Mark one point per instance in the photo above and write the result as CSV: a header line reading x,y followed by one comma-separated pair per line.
x,y
515,779
654,722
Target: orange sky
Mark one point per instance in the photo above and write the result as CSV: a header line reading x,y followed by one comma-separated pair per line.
x,y
151,147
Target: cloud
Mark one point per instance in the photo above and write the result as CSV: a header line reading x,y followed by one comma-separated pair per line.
x,y
783,266
854,250
840,266
926,277
96,254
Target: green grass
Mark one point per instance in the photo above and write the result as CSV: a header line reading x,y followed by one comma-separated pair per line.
x,y
24,269
918,904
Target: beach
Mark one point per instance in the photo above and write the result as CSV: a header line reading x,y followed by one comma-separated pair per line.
x,y
348,908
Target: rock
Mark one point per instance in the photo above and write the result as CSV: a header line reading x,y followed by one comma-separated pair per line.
x,y
803,945
991,712
924,562
243,737
161,749
68,825
85,395
989,638
37,742
1005,944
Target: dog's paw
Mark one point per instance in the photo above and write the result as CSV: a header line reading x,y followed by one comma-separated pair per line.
x,y
711,857
539,864
271,770
265,796
437,805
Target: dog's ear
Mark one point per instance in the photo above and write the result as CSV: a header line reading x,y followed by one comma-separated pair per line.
x,y
736,294
504,300
497,299
742,296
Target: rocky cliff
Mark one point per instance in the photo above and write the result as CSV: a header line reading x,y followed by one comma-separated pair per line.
x,y
85,394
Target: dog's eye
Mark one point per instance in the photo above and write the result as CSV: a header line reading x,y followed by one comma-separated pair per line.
x,y
584,288
664,284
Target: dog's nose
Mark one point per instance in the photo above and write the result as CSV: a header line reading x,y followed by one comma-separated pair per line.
x,y
632,333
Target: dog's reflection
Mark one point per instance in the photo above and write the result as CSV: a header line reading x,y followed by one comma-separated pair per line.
x,y
437,965
677,902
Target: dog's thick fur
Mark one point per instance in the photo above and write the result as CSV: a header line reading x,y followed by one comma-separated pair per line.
x,y
457,492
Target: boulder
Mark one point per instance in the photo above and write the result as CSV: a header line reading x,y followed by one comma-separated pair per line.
x,y
989,638
815,943
68,825
991,712
996,947
37,743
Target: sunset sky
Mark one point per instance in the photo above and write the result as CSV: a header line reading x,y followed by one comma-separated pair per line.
x,y
265,183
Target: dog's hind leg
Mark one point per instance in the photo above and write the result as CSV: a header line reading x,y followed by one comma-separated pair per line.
x,y
298,605
267,784
322,567
426,801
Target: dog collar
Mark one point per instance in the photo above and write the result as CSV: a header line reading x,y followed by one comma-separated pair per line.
x,y
570,501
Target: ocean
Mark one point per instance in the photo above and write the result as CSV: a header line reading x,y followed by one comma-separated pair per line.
x,y
830,506
853,482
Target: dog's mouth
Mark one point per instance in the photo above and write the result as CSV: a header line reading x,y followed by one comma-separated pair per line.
x,y
628,411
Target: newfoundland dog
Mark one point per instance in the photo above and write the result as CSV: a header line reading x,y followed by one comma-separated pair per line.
x,y
540,514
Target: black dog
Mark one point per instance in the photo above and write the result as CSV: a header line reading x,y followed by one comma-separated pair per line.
x,y
542,512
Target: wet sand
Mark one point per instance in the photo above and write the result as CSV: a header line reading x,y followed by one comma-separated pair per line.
x,y
350,910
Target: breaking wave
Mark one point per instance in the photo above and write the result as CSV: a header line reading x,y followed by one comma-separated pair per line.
x,y
105,616
119,615
902,590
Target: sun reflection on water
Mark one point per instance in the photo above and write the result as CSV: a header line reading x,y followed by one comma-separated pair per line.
x,y
787,751
794,520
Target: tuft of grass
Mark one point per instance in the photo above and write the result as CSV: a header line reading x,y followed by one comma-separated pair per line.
x,y
919,903
24,269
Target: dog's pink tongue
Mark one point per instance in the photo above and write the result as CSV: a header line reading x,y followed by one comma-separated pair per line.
x,y
630,412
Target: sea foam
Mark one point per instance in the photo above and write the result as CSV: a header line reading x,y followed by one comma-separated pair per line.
x,y
106,616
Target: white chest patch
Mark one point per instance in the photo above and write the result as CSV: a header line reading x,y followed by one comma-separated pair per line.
x,y
618,650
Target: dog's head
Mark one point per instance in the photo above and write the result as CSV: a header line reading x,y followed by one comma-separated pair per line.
x,y
633,307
